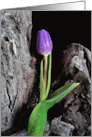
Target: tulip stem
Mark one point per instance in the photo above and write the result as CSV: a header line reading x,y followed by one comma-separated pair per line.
x,y
45,71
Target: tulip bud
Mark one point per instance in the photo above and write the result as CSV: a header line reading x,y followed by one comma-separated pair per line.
x,y
44,43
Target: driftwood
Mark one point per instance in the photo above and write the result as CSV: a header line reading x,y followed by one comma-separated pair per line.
x,y
20,81
76,109
17,68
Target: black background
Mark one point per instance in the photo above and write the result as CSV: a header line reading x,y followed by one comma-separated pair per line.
x,y
64,27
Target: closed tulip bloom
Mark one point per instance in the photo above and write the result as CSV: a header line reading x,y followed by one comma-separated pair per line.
x,y
44,43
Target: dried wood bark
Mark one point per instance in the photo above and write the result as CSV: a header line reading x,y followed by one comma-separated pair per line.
x,y
17,70
76,109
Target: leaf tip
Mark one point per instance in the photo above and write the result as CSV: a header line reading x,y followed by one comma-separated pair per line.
x,y
77,84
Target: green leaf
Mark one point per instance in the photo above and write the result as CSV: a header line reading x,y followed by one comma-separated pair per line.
x,y
49,75
59,94
37,120
42,86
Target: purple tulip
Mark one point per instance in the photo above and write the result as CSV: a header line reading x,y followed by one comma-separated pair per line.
x,y
44,43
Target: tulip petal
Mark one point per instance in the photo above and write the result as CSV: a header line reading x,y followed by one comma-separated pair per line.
x,y
44,43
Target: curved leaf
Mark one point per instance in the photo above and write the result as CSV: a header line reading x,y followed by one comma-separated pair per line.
x,y
59,94
37,120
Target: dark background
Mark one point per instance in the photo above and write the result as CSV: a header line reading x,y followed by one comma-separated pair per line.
x,y
64,27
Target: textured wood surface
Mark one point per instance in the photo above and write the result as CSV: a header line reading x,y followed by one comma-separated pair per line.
x,y
16,71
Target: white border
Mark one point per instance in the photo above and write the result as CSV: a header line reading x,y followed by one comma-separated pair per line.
x,y
4,4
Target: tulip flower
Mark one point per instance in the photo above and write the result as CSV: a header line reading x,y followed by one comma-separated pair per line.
x,y
44,43
38,117
44,47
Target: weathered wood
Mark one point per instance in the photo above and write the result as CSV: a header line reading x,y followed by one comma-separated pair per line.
x,y
17,72
76,108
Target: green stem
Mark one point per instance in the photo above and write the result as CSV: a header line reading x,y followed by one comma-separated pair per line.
x,y
45,71
49,74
